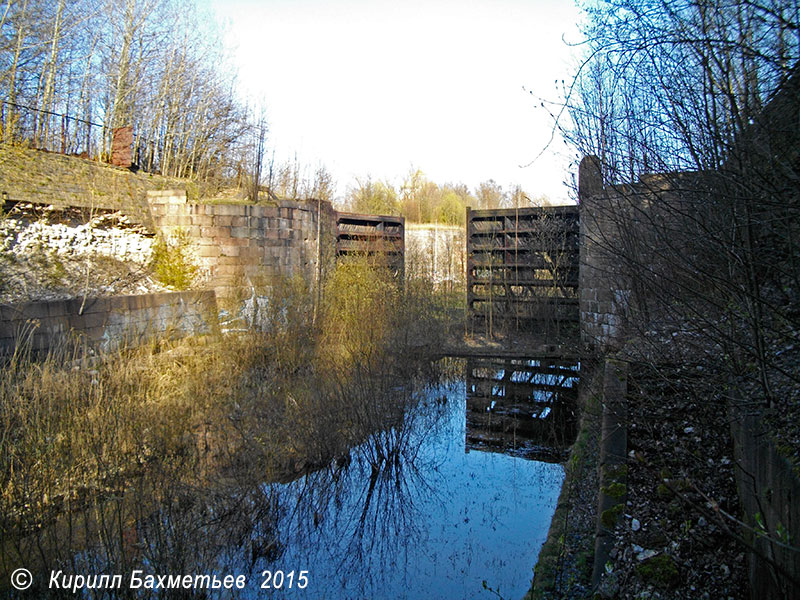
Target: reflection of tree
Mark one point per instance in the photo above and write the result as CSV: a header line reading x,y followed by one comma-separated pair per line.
x,y
224,528
359,514
363,512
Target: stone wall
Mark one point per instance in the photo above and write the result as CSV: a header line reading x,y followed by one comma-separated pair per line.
x,y
603,292
642,250
437,252
107,322
49,178
246,246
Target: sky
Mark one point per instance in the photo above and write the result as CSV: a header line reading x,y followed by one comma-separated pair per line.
x,y
378,88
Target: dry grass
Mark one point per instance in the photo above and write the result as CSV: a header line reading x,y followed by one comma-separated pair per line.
x,y
109,441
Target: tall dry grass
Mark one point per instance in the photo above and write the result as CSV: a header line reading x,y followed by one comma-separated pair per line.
x,y
91,446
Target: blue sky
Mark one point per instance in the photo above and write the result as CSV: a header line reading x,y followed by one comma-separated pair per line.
x,y
378,87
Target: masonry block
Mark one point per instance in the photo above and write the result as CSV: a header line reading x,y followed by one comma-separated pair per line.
x,y
227,270
270,212
228,260
240,232
208,251
202,220
230,210
214,232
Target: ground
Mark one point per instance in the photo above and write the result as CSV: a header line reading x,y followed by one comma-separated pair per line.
x,y
677,538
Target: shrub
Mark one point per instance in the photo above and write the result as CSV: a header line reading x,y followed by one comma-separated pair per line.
x,y
171,260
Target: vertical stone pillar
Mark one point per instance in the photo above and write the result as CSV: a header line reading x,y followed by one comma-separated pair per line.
x,y
612,468
590,188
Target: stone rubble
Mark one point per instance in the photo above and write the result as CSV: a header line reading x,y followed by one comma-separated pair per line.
x,y
50,254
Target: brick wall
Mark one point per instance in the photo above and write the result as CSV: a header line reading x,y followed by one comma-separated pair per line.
x,y
107,322
239,245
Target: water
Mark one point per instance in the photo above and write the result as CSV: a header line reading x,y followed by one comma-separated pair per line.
x,y
454,499
437,510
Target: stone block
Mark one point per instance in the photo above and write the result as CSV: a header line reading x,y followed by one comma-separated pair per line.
x,y
240,221
230,210
241,242
202,220
93,305
214,233
223,220
250,252
240,232
228,251
270,212
208,251
94,320
178,196
227,271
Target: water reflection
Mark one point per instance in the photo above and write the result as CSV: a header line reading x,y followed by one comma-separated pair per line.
x,y
522,407
434,524
406,514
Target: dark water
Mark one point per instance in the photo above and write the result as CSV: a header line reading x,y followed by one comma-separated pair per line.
x,y
461,492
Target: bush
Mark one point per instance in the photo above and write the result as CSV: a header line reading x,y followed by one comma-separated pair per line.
x,y
171,261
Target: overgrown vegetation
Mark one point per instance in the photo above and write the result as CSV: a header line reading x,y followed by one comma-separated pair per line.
x,y
705,233
92,445
685,106
171,260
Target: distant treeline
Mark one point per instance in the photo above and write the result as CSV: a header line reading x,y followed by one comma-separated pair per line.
x,y
423,201
416,198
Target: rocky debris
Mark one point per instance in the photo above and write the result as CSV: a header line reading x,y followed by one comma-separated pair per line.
x,y
675,540
52,254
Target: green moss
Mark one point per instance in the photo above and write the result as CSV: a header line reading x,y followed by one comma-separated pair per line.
x,y
659,571
617,472
615,490
609,517
663,491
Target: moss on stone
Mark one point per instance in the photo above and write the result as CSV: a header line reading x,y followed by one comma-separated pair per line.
x,y
659,571
615,490
609,517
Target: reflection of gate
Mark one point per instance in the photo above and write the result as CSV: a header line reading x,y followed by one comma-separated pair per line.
x,y
524,407
522,270
372,235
